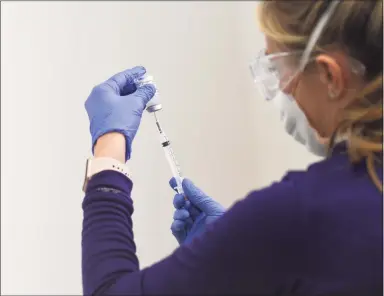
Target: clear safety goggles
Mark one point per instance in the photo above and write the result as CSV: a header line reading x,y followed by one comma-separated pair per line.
x,y
274,72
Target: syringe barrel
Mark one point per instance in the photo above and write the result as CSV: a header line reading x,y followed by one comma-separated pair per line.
x,y
170,156
179,182
154,104
175,171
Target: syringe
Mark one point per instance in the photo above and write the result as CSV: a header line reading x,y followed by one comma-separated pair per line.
x,y
170,156
154,106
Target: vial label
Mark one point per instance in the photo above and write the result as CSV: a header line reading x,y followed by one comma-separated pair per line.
x,y
146,79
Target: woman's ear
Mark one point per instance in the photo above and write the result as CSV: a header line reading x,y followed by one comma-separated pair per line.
x,y
331,75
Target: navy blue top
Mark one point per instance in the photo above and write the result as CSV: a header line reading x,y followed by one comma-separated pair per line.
x,y
316,232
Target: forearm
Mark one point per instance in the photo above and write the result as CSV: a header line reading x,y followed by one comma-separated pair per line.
x,y
114,108
111,145
108,248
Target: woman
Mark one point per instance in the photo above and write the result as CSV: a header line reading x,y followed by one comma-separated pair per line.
x,y
316,232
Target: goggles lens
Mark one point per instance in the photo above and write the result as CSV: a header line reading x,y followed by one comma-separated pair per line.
x,y
271,72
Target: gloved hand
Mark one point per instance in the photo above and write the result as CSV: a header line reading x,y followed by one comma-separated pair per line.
x,y
194,214
117,106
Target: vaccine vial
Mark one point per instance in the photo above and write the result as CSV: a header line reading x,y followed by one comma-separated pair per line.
x,y
154,104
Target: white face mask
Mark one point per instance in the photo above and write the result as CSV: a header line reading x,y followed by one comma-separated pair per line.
x,y
296,124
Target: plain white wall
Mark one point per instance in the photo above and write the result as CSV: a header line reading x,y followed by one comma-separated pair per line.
x,y
227,139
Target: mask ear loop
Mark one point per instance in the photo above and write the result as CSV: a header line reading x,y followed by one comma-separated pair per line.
x,y
317,33
313,38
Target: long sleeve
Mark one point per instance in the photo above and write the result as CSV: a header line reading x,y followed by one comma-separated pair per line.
x,y
240,253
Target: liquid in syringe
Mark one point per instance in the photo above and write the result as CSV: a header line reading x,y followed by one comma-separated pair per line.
x,y
171,158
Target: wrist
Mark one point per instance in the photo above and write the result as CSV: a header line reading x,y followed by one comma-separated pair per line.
x,y
111,145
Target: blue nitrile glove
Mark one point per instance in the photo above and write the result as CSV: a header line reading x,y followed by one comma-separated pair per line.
x,y
117,105
193,215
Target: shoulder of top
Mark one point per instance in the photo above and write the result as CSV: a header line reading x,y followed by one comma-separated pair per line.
x,y
320,178
292,194
321,171
292,182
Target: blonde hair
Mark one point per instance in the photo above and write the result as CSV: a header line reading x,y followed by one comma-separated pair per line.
x,y
356,27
